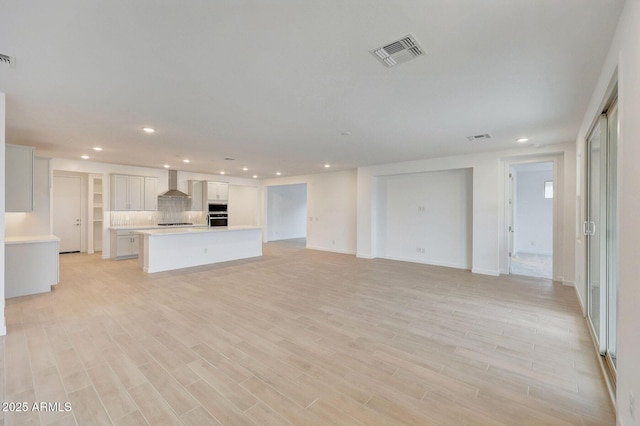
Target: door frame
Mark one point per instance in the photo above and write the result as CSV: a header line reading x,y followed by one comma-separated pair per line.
x,y
83,203
558,201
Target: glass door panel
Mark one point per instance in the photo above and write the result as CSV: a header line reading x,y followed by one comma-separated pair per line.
x,y
612,236
596,239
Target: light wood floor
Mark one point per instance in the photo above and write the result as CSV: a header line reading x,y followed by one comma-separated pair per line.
x,y
300,337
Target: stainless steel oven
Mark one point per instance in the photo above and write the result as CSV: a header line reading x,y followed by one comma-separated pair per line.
x,y
218,215
218,219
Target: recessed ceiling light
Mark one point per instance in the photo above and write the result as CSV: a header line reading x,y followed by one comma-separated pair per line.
x,y
221,173
326,166
522,140
245,168
166,166
97,148
84,157
148,130
186,160
255,176
278,173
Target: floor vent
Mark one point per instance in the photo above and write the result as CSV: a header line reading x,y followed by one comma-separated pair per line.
x,y
399,51
481,137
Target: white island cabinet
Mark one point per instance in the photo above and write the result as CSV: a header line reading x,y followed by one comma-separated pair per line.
x,y
168,249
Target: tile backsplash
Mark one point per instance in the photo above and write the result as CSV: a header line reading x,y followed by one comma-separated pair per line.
x,y
170,210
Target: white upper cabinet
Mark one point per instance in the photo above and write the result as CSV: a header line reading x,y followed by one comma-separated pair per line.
x,y
217,191
150,193
128,192
19,178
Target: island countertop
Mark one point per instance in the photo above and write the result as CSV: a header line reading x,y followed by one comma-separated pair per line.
x,y
194,230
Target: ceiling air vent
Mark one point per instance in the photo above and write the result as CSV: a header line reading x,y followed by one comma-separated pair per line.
x,y
399,51
482,137
7,60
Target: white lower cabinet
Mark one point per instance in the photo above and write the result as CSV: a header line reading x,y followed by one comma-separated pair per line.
x,y
124,244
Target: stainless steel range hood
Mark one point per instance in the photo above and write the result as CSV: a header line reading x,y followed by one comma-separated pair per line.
x,y
173,187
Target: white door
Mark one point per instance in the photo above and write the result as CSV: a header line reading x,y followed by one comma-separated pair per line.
x,y
67,208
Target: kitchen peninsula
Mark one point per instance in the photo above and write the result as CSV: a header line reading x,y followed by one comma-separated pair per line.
x,y
176,248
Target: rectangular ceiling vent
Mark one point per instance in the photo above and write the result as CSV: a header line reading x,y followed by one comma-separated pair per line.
x,y
7,60
399,51
482,137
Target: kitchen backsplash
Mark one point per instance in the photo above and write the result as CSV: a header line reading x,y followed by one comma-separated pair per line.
x,y
144,218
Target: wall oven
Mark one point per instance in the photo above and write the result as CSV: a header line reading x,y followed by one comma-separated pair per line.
x,y
218,215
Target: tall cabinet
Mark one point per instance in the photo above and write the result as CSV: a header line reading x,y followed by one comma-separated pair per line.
x,y
95,213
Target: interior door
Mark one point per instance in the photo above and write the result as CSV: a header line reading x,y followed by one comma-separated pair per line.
x,y
67,210
595,230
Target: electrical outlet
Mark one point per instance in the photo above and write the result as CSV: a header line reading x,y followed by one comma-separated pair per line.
x,y
206,250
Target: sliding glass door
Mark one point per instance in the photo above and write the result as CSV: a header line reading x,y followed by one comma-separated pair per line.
x,y
601,231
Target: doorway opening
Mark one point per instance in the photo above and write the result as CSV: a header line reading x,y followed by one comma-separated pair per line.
x,y
286,215
531,217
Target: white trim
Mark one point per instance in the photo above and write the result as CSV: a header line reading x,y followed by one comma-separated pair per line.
x,y
482,271
567,283
3,328
428,262
332,250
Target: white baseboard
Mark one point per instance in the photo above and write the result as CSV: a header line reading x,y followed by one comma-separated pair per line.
x,y
482,271
428,262
332,250
568,283
360,256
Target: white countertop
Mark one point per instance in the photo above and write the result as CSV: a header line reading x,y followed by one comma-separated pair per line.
x,y
26,239
194,230
136,227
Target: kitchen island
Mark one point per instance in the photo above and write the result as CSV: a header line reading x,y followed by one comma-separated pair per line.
x,y
169,249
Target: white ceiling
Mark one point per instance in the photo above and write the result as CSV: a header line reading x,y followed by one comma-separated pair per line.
x,y
274,84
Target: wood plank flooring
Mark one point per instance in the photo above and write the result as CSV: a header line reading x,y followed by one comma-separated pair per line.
x,y
300,337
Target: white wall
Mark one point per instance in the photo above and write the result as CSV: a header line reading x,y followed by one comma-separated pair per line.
x,y
331,209
38,221
286,216
533,219
623,62
3,322
243,205
488,228
426,218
